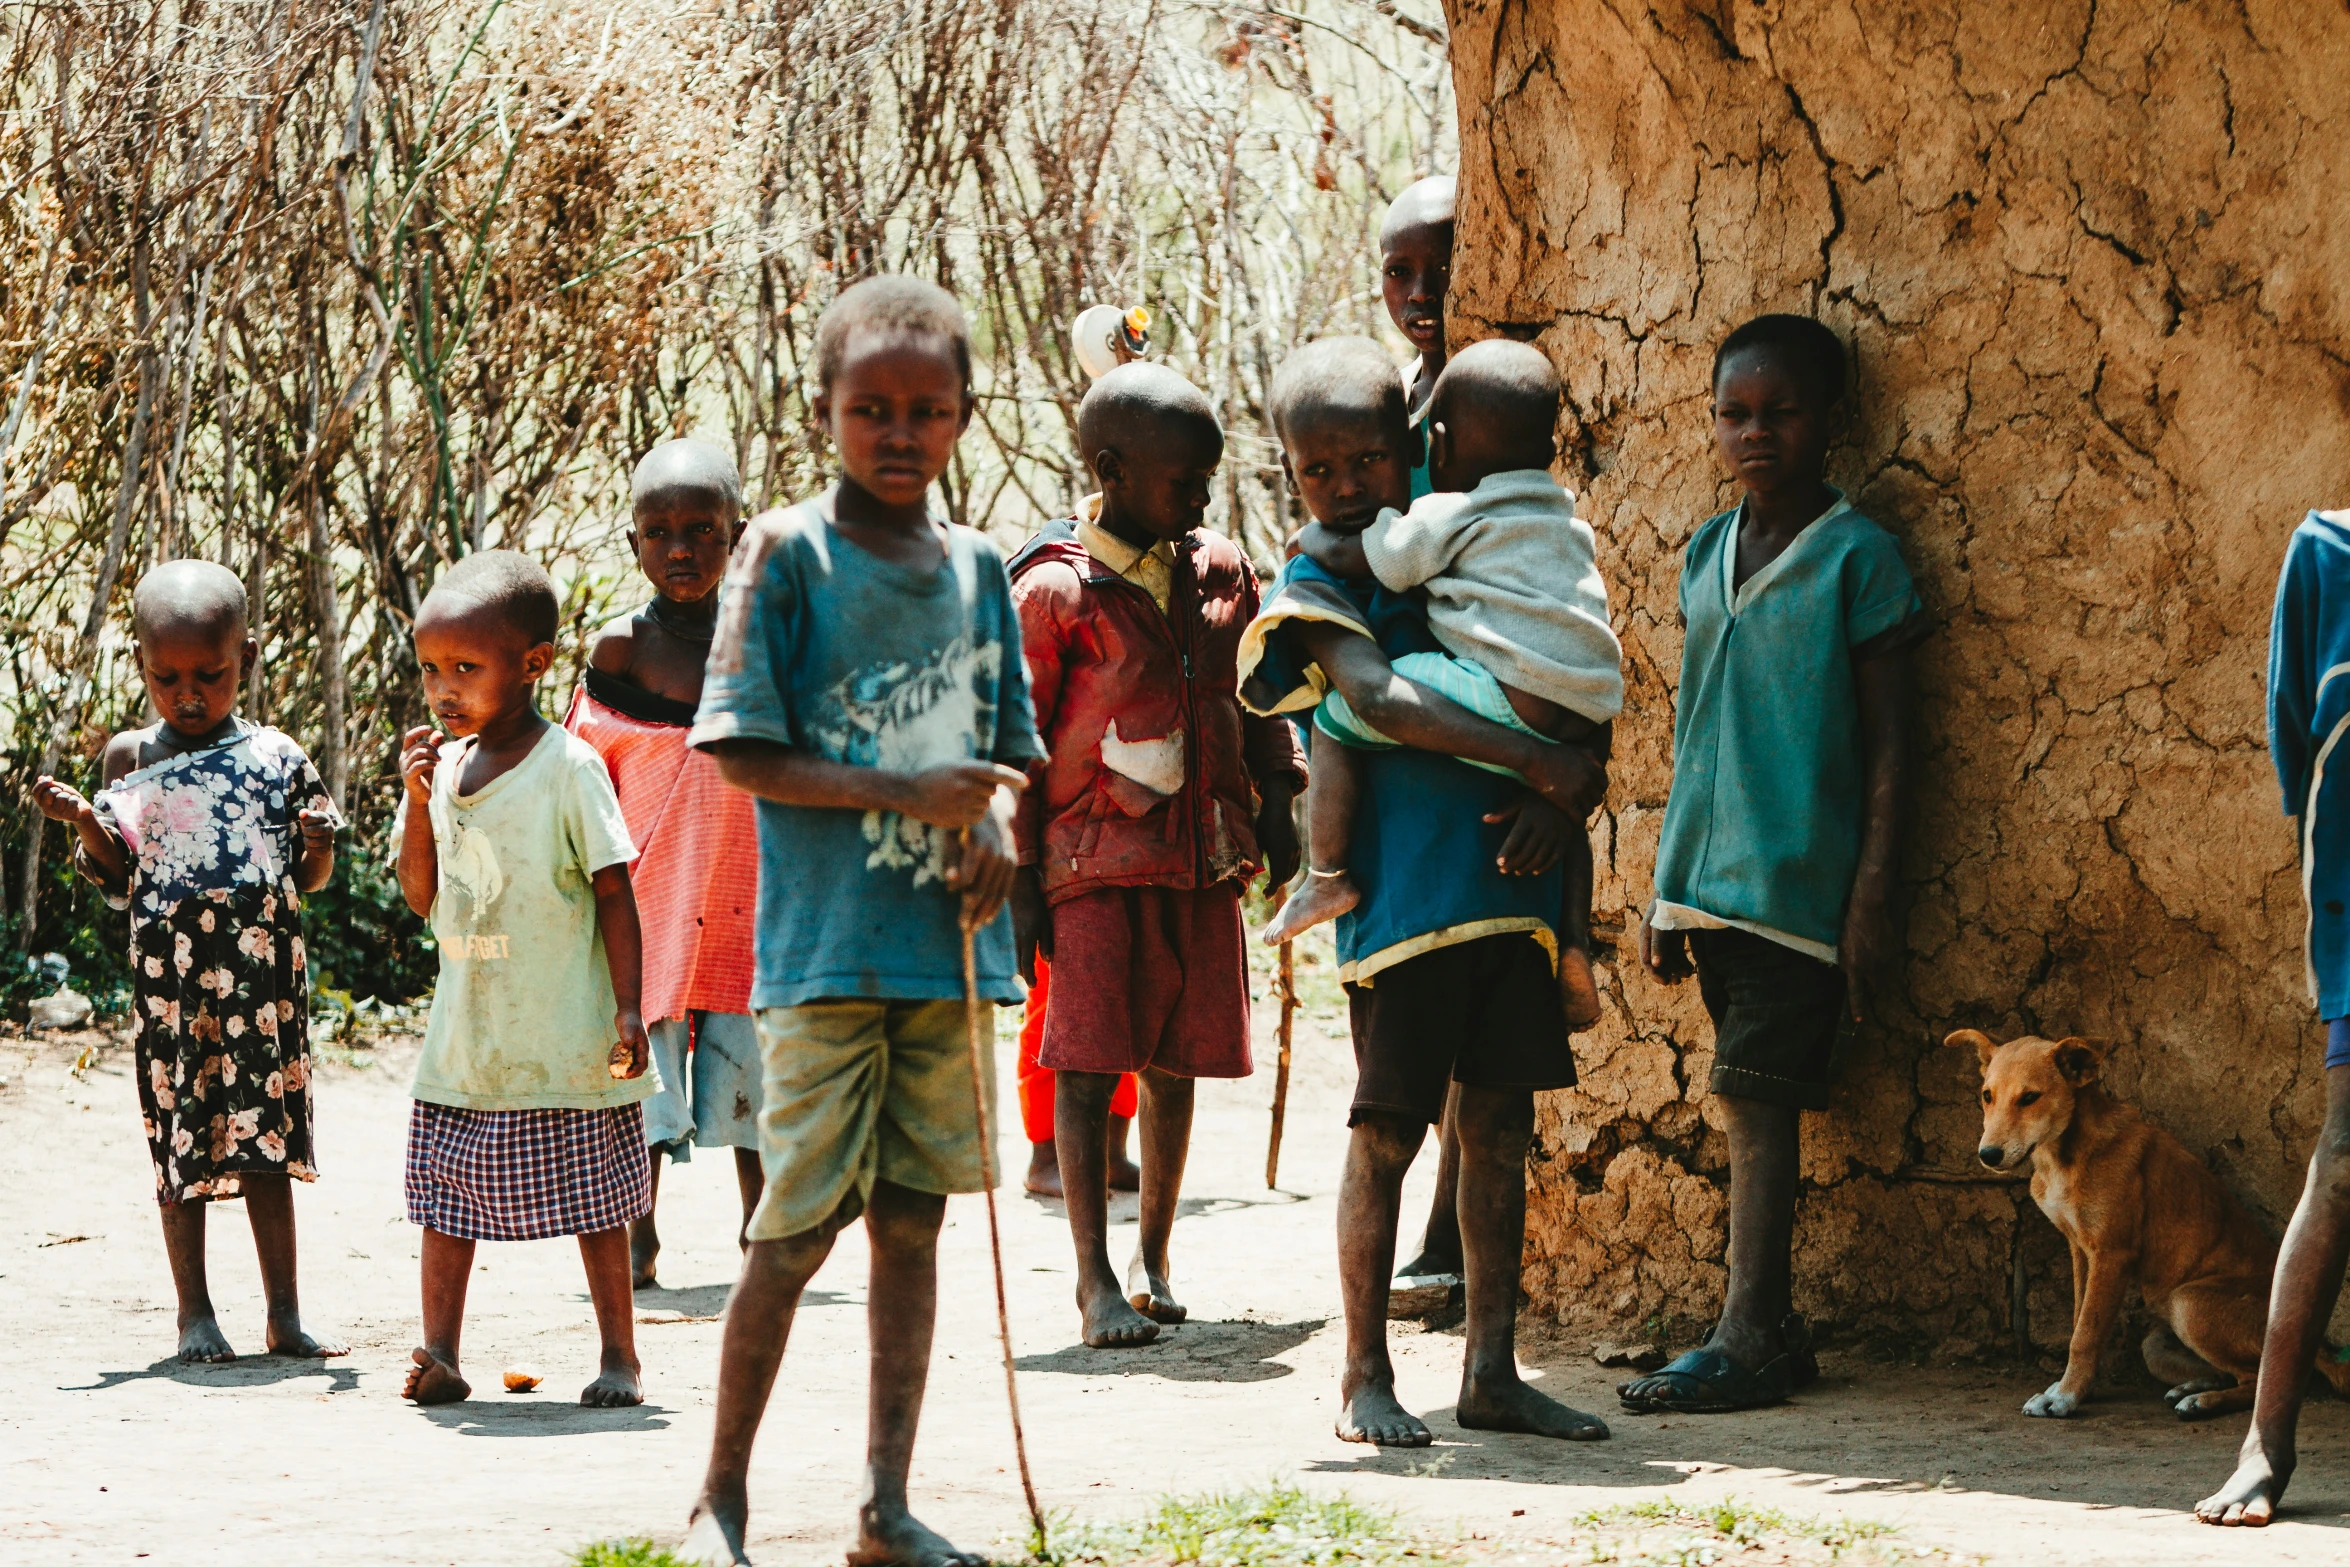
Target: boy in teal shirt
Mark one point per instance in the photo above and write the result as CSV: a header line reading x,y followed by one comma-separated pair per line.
x,y
1774,875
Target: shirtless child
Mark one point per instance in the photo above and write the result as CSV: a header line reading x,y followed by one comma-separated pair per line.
x,y
696,890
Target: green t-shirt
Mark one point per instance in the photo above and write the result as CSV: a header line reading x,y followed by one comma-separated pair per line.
x,y
522,1018
1762,828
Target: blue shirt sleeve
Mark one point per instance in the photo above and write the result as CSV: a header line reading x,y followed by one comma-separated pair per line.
x,y
1878,592
1016,740
746,693
2292,670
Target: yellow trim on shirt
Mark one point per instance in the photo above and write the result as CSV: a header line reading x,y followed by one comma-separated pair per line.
x,y
1151,569
1362,970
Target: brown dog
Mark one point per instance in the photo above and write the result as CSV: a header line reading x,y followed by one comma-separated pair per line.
x,y
2134,1203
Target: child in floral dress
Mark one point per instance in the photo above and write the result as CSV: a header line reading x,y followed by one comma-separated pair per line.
x,y
208,829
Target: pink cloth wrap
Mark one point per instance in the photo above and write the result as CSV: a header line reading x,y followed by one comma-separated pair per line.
x,y
696,874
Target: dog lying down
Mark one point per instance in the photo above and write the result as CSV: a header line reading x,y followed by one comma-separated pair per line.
x,y
2135,1205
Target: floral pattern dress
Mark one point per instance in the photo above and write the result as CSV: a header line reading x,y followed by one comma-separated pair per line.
x,y
221,986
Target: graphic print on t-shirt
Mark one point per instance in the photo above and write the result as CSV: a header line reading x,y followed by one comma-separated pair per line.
x,y
906,717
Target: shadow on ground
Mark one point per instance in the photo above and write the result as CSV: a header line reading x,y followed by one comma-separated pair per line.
x,y
1870,1428
1194,1352
539,1415
339,1375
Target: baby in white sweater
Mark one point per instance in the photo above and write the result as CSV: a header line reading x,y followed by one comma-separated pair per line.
x,y
1514,595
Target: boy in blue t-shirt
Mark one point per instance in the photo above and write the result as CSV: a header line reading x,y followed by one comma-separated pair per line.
x,y
866,685
2308,713
1774,871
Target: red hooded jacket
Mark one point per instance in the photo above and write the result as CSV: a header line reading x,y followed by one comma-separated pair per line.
x,y
1173,803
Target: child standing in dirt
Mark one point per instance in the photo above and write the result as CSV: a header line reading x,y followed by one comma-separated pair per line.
x,y
528,1121
866,685
1159,804
1774,876
1415,273
2308,712
1447,957
696,889
208,829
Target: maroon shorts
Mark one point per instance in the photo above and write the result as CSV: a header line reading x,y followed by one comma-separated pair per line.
x,y
1149,977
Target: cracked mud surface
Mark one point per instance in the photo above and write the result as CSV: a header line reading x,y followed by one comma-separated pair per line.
x,y
2092,261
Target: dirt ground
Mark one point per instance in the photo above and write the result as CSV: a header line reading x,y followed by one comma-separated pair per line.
x,y
110,1451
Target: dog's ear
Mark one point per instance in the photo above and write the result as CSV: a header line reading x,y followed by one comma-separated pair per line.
x,y
2078,1059
1984,1044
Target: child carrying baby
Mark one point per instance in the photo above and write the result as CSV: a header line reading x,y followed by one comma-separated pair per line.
x,y
1515,597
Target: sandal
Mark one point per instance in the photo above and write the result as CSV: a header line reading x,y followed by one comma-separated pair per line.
x,y
1707,1382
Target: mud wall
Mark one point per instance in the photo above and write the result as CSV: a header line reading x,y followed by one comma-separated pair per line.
x,y
2094,263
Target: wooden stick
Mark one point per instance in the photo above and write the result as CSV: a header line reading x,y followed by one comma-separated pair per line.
x,y
978,1029
1286,987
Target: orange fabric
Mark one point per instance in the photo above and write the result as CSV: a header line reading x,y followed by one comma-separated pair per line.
x,y
696,874
1036,1082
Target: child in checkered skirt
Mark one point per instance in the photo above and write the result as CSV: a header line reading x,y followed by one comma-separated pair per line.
x,y
528,1120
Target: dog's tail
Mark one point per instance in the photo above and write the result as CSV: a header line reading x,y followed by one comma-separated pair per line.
x,y
2334,1365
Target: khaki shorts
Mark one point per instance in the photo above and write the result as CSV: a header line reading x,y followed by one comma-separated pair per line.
x,y
860,1091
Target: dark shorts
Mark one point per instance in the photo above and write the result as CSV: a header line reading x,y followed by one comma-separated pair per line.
x,y
1149,978
1485,1013
2337,1042
1780,1023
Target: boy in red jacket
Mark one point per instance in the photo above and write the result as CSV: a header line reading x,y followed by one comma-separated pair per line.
x,y
1160,801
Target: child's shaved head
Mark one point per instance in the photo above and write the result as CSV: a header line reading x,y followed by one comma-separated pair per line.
x,y
1336,378
189,598
696,468
891,305
1499,403
1140,405
1425,203
504,585
1809,351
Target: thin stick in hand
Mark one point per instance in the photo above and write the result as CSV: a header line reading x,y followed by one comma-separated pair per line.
x,y
1286,985
980,1033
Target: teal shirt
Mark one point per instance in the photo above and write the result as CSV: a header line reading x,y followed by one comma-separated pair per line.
x,y
1762,828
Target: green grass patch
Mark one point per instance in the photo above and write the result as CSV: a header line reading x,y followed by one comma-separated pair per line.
x,y
1278,1525
1670,1533
624,1553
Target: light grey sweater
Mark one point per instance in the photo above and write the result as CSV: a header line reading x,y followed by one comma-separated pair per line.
x,y
1513,586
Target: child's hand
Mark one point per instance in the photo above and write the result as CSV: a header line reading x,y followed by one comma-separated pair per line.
x,y
1569,777
1664,953
420,753
1537,836
319,829
1277,839
959,793
1870,955
632,1053
62,802
1334,550
984,868
1032,921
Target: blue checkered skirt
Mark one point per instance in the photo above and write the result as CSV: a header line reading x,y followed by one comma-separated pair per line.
x,y
526,1175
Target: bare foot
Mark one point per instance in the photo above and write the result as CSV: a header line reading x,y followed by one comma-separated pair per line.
x,y
714,1534
287,1338
1110,1323
1372,1415
202,1343
898,1537
1430,1265
618,1386
1319,897
1578,991
1152,1293
644,1251
1513,1406
432,1380
1044,1171
2249,1499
